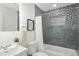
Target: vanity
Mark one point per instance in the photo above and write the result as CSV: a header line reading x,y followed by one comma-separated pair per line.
x,y
14,50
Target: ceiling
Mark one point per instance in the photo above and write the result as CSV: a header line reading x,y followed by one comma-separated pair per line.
x,y
43,6
13,6
50,6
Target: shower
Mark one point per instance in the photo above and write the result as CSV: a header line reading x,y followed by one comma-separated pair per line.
x,y
61,27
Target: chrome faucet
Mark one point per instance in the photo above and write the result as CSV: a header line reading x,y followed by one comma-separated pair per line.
x,y
6,46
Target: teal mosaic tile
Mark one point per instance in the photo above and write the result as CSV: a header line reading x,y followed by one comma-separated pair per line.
x,y
63,35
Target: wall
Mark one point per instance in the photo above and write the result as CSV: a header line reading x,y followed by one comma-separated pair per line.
x,y
27,11
65,35
1,22
7,37
38,11
9,18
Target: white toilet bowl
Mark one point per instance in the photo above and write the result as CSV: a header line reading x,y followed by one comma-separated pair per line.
x,y
40,54
32,49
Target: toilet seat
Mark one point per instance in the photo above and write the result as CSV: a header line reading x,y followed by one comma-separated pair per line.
x,y
40,54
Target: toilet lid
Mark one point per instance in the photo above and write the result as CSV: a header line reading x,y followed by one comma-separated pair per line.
x,y
40,54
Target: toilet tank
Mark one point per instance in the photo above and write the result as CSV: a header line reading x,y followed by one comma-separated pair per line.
x,y
32,47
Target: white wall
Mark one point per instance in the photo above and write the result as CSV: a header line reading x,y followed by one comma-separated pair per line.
x,y
9,18
7,37
27,11
1,21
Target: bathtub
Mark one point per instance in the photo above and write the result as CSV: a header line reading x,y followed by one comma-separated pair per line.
x,y
52,50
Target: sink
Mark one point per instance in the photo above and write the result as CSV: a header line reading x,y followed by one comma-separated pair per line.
x,y
2,52
14,50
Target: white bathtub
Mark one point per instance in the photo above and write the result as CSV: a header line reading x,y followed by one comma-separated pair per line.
x,y
52,50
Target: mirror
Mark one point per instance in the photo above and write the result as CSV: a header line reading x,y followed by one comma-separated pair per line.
x,y
9,17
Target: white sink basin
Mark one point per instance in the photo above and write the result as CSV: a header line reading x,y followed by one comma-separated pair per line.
x,y
14,50
2,52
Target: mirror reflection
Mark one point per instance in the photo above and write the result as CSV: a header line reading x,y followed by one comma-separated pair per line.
x,y
9,17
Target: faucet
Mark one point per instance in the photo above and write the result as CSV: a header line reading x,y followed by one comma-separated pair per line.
x,y
5,47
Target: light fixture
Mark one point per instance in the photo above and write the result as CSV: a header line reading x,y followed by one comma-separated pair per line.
x,y
54,5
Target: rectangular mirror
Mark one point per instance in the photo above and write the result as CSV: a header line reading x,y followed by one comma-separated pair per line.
x,y
9,17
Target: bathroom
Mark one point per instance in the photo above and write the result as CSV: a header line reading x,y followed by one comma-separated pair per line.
x,y
39,29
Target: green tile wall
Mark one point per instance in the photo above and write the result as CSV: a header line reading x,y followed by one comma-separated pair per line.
x,y
63,35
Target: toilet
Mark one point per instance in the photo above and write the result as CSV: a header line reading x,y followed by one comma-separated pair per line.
x,y
33,50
